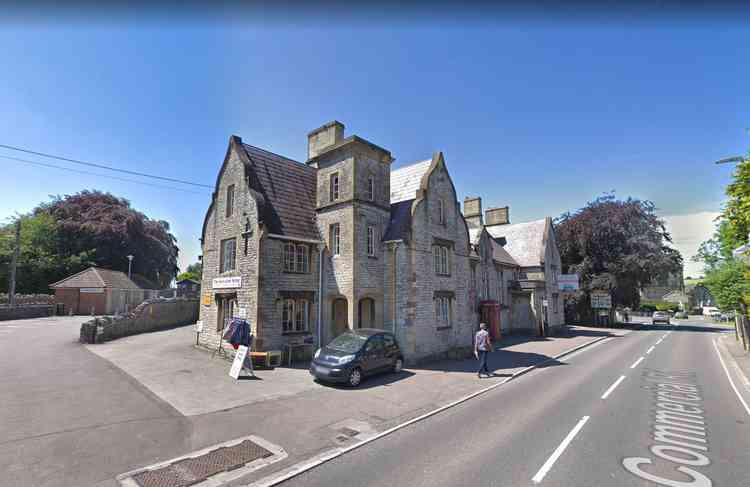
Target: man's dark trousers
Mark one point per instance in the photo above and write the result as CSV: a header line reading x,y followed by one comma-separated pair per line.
x,y
483,362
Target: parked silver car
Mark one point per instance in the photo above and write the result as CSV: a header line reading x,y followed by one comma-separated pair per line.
x,y
660,317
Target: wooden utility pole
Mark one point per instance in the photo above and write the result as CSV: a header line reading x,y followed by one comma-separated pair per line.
x,y
13,265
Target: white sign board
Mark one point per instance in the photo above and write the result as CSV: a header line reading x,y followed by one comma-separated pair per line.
x,y
92,290
544,302
239,360
241,312
601,300
227,282
199,327
568,282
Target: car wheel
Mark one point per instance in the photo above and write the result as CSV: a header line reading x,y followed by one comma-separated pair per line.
x,y
355,377
398,365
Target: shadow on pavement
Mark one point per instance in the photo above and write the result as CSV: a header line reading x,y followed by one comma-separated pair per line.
x,y
384,379
498,360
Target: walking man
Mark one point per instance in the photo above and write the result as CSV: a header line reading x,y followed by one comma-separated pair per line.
x,y
482,346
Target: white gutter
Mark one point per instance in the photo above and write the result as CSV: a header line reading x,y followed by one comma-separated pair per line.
x,y
293,239
320,294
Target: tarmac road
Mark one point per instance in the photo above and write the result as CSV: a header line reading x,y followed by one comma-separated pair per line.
x,y
603,417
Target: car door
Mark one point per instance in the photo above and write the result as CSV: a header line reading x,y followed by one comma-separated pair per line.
x,y
372,358
390,351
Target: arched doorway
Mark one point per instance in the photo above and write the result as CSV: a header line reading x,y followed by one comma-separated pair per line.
x,y
340,314
366,313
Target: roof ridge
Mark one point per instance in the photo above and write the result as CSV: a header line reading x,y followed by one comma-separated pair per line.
x,y
412,165
101,279
274,154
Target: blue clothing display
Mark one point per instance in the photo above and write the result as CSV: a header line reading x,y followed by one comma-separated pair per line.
x,y
238,333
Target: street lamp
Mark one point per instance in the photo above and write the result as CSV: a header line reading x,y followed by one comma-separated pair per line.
x,y
130,262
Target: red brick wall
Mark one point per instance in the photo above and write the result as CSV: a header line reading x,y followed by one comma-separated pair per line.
x,y
68,297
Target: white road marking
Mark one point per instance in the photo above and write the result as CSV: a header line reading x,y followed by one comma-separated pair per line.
x,y
637,362
612,387
739,396
650,349
559,451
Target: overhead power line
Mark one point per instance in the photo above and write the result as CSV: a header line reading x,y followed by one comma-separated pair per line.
x,y
102,166
44,164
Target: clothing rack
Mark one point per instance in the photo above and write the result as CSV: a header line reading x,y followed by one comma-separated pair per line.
x,y
220,348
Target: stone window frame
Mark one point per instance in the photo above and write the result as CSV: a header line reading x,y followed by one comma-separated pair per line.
x,y
334,238
441,211
555,303
473,277
230,201
295,315
371,239
371,188
334,183
443,309
296,258
441,256
225,266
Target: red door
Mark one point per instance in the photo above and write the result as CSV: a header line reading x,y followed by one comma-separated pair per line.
x,y
490,312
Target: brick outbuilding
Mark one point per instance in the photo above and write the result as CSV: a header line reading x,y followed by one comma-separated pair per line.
x,y
101,292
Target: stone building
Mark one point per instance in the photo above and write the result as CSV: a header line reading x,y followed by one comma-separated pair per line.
x,y
526,265
308,250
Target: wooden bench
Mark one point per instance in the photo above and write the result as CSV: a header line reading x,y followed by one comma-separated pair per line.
x,y
270,359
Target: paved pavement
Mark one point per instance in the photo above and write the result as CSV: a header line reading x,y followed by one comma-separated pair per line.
x,y
579,425
71,417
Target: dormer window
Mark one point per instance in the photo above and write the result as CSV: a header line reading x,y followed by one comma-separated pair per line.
x,y
371,188
334,186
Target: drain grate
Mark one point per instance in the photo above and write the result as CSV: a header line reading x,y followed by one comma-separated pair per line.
x,y
190,471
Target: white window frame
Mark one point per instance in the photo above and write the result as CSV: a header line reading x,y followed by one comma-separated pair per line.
x,y
371,240
335,238
301,311
288,315
224,266
301,258
290,255
334,189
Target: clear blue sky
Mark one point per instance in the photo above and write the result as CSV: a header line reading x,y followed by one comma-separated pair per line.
x,y
541,116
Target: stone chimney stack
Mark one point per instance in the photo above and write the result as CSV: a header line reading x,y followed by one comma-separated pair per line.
x,y
320,139
497,216
473,211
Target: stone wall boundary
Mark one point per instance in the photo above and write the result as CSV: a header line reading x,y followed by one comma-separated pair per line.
x,y
26,311
151,315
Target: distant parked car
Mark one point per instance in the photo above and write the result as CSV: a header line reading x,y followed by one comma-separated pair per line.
x,y
726,316
710,311
681,315
356,354
660,317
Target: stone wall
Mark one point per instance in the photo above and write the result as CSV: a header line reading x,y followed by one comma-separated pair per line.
x,y
151,315
26,311
22,299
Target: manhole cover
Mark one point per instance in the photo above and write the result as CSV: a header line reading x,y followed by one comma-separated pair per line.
x,y
190,471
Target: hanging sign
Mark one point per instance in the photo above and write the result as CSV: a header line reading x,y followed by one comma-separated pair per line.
x,y
568,282
601,300
239,361
227,282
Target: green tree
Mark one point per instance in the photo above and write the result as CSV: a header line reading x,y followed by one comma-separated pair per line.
x,y
729,284
615,245
193,271
68,234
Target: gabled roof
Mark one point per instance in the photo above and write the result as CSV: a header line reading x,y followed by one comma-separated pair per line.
x,y
524,241
406,181
98,277
285,190
501,255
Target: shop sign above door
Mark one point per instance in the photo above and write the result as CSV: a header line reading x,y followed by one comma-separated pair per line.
x,y
227,282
